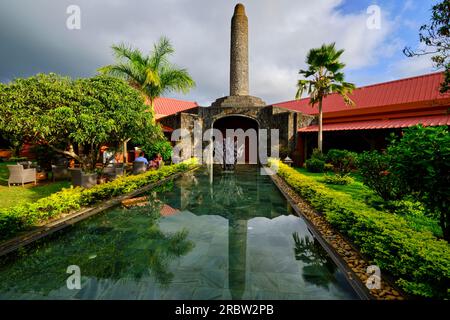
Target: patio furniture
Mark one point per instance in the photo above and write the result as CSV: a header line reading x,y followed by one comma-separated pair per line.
x,y
60,172
17,174
81,179
25,164
139,167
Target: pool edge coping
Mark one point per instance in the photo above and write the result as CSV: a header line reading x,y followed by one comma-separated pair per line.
x,y
70,219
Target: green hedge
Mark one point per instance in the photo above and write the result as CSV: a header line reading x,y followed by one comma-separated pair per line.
x,y
19,218
419,261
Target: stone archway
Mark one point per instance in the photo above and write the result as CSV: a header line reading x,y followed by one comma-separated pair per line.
x,y
250,127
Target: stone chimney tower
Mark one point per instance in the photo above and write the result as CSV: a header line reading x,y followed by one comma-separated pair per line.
x,y
239,53
239,74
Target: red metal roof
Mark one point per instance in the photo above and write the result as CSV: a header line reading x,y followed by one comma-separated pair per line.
x,y
396,93
168,106
438,120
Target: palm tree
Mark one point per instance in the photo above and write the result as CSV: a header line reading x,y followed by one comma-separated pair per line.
x,y
323,77
153,75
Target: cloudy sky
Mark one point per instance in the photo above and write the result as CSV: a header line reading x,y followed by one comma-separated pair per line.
x,y
34,38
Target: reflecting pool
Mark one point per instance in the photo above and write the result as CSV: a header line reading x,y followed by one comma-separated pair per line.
x,y
220,236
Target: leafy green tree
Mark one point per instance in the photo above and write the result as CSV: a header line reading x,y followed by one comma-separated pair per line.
x,y
153,74
324,76
436,37
23,101
81,115
163,147
421,160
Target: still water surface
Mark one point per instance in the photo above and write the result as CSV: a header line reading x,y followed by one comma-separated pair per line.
x,y
232,236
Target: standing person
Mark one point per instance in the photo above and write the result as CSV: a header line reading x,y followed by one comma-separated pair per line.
x,y
108,157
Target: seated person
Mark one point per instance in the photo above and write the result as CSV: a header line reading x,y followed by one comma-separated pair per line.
x,y
141,158
157,162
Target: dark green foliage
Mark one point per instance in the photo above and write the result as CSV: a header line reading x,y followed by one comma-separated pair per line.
x,y
163,147
45,156
421,161
419,261
343,161
70,116
374,169
315,165
317,162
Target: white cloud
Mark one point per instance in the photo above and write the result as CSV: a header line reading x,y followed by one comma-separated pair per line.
x,y
409,67
281,33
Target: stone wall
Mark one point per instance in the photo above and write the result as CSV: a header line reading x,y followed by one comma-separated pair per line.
x,y
269,117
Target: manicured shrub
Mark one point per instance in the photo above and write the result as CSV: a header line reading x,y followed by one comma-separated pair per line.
x,y
374,169
419,261
317,154
338,179
343,161
315,165
405,207
19,218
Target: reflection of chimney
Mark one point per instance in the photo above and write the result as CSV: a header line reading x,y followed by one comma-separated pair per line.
x,y
239,53
237,257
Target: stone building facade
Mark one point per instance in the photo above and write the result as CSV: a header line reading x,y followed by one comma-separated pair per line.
x,y
239,104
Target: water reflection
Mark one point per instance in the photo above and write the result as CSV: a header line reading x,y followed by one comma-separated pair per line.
x,y
126,243
192,239
318,268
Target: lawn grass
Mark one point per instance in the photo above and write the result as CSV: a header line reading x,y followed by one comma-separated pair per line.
x,y
15,195
359,192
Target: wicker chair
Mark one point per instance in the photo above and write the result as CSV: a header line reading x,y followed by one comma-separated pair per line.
x,y
17,174
139,167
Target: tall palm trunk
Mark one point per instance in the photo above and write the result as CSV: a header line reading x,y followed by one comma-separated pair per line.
x,y
320,138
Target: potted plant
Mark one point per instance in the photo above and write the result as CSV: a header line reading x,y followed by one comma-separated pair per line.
x,y
83,179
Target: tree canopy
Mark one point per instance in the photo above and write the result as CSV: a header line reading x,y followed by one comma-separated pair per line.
x,y
421,160
152,74
436,37
323,77
72,116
